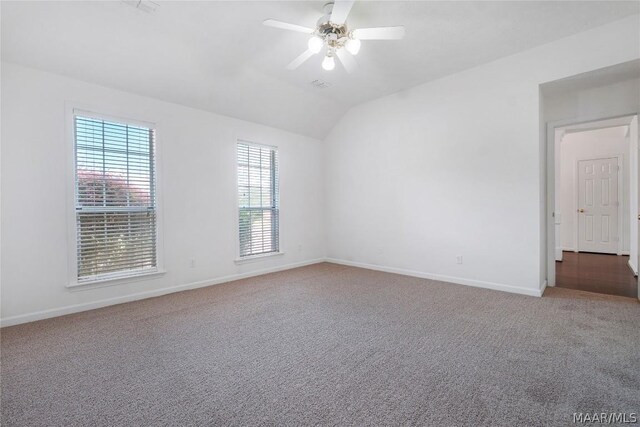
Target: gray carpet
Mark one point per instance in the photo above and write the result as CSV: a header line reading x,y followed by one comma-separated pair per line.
x,y
327,345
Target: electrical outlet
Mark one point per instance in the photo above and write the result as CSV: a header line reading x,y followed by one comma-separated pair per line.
x,y
192,263
459,259
299,248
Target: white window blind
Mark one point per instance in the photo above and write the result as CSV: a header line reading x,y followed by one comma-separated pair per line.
x,y
258,196
114,199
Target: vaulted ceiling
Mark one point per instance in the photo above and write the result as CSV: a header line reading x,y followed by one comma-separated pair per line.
x,y
217,56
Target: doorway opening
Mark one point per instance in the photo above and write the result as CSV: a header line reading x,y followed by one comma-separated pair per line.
x,y
595,205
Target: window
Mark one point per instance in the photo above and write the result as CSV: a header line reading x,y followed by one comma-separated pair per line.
x,y
258,196
115,202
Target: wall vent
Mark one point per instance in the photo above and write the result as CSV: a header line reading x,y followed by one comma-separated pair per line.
x,y
320,84
143,5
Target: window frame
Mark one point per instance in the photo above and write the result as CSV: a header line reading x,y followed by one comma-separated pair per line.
x,y
239,258
115,278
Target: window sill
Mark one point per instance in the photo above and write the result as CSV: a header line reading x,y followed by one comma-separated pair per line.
x,y
116,280
254,258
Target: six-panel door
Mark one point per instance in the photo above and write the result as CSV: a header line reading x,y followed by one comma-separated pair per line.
x,y
598,205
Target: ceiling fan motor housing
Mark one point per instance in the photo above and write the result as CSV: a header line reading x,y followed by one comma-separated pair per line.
x,y
334,35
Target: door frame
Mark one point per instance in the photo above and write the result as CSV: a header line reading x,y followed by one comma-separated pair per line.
x,y
548,249
576,196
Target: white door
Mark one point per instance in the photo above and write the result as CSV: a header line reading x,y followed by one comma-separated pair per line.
x,y
635,142
598,205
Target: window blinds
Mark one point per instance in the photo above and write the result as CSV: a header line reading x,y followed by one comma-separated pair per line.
x,y
258,197
114,199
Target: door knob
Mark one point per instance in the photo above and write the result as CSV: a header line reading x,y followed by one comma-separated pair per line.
x,y
581,210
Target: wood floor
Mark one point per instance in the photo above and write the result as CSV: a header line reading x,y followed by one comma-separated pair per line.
x,y
601,273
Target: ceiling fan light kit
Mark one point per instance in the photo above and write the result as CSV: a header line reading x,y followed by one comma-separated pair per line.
x,y
328,63
315,44
353,46
332,34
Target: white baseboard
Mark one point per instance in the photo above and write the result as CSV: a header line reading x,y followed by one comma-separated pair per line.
x,y
558,254
76,308
574,250
633,268
543,286
457,280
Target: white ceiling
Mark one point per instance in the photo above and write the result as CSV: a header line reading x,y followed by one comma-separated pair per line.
x,y
217,56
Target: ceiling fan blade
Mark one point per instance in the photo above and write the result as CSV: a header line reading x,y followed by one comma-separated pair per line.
x,y
286,26
348,62
300,60
340,11
379,33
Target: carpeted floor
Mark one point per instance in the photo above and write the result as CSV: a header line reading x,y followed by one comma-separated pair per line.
x,y
327,345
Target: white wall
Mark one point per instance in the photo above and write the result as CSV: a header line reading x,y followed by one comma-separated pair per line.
x,y
196,163
608,100
457,167
601,143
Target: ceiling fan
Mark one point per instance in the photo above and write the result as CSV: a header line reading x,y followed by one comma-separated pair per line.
x,y
332,32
